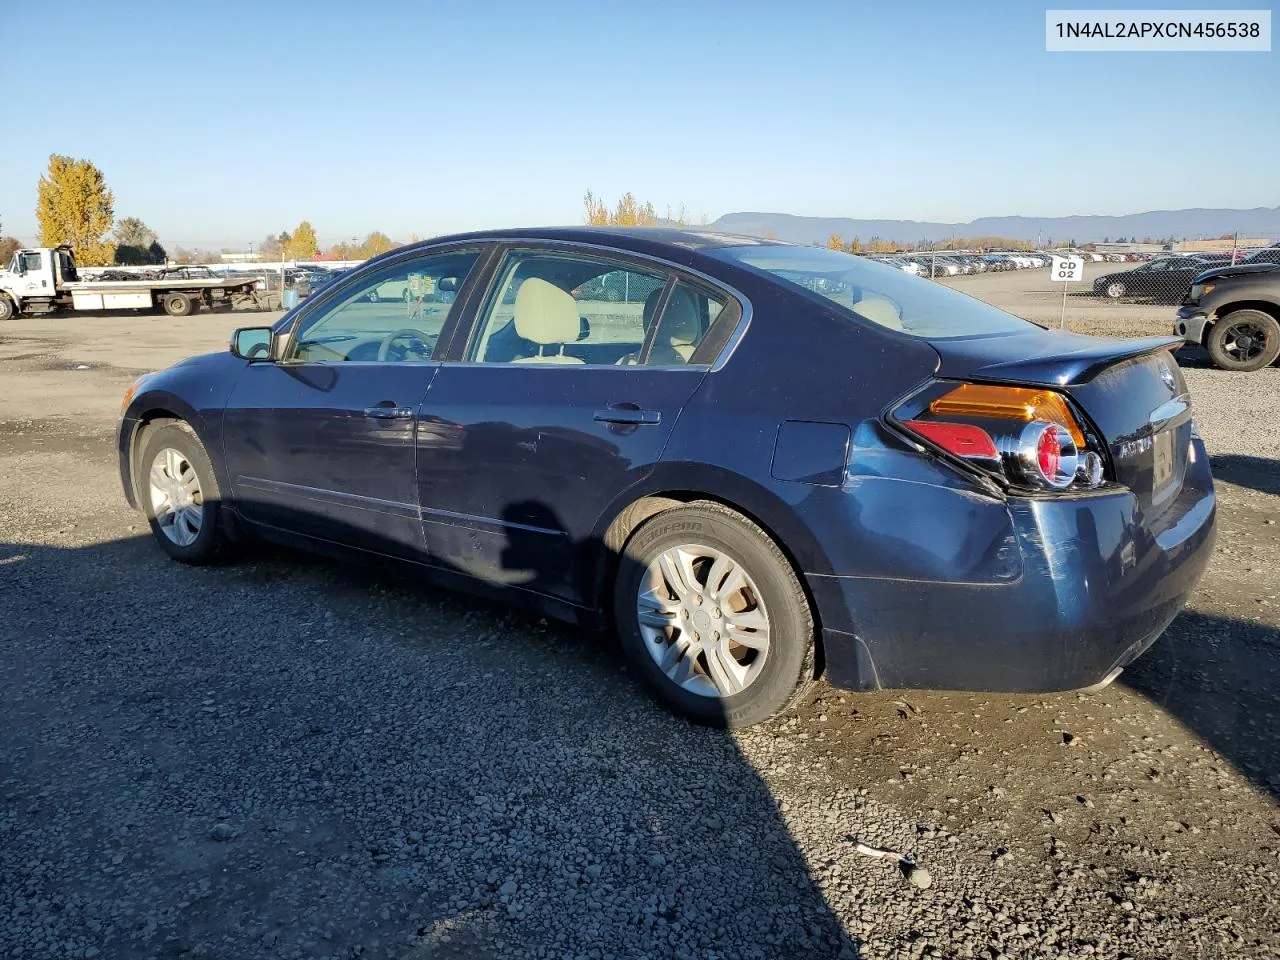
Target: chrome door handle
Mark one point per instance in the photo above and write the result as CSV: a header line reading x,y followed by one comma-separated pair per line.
x,y
628,416
388,412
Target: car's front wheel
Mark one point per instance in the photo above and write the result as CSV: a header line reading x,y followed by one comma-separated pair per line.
x,y
1115,290
1244,340
713,615
180,493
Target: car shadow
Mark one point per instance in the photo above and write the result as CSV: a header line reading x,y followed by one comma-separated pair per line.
x,y
1256,473
282,756
1220,677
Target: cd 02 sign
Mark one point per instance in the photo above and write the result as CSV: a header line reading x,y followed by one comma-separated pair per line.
x,y
1068,268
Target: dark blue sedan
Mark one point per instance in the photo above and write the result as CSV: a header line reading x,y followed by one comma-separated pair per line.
x,y
759,462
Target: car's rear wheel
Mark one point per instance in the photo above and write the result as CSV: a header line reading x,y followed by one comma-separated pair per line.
x,y
180,493
1244,340
1115,290
713,615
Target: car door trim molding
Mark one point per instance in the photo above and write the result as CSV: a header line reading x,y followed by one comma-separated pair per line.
x,y
393,508
451,518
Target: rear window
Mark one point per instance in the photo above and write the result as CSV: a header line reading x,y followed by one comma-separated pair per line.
x,y
878,293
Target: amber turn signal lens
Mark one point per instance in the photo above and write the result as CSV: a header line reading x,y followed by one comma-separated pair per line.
x,y
1008,403
131,392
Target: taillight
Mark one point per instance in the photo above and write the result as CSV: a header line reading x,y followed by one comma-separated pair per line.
x,y
1012,403
1027,437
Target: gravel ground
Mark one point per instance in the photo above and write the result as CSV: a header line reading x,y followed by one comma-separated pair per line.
x,y
283,757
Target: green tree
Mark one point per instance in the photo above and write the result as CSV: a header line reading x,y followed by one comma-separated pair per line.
x,y
302,244
157,253
75,207
132,232
8,245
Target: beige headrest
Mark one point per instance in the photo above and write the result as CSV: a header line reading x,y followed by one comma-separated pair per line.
x,y
546,314
549,358
680,326
879,310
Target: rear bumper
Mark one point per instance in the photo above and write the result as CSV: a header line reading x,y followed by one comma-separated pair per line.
x,y
1098,585
1190,324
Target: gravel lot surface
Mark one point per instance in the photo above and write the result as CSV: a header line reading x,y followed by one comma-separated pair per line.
x,y
285,757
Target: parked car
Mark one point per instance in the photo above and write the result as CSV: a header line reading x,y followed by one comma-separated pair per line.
x,y
1167,280
1267,255
1234,313
928,492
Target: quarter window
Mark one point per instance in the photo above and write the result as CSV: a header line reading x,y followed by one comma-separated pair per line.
x,y
688,315
392,314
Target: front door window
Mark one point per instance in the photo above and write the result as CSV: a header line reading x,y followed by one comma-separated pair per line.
x,y
393,314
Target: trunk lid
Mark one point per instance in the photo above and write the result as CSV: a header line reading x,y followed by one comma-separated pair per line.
x,y
1131,390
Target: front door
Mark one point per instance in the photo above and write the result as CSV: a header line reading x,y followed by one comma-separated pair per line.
x,y
562,397
322,441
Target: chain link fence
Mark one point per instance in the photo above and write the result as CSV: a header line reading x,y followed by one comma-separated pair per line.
x,y
1124,292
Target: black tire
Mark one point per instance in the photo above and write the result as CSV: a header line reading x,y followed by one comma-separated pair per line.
x,y
211,541
1225,337
7,309
788,668
1115,289
178,304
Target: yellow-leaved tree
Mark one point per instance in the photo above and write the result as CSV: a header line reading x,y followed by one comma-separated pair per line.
x,y
835,242
74,206
628,213
301,244
376,243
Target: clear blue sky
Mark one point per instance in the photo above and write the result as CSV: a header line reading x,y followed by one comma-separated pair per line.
x,y
217,123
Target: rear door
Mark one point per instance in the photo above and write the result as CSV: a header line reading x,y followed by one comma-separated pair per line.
x,y
322,441
560,396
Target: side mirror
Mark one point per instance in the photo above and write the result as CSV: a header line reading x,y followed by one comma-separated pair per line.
x,y
253,343
584,328
447,283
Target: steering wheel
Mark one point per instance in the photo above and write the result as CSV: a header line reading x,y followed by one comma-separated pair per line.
x,y
425,347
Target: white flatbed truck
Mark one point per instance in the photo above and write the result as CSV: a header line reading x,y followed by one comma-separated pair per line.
x,y
43,280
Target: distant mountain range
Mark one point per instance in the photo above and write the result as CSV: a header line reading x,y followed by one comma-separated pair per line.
x,y
1195,223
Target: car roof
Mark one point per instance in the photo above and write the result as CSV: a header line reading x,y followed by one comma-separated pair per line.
x,y
638,239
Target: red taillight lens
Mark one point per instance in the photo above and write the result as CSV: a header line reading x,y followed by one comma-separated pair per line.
x,y
1048,452
962,439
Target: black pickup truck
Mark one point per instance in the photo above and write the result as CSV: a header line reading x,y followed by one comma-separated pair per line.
x,y
1234,313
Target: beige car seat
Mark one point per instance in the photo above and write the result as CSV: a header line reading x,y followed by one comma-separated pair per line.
x,y
547,316
679,334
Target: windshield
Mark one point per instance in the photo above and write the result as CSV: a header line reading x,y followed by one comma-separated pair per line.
x,y
878,293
